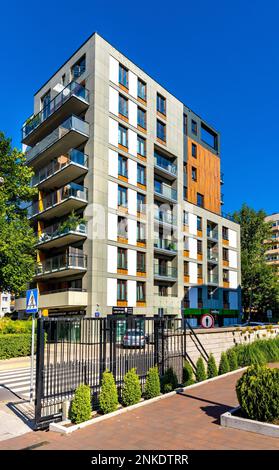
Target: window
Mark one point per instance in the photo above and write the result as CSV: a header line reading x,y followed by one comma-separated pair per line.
x,y
194,173
140,232
123,106
140,262
141,89
63,79
199,223
225,254
45,104
122,166
140,202
123,76
121,258
141,174
194,150
122,196
186,268
225,233
185,122
185,218
141,146
140,291
162,291
194,127
161,104
209,137
141,118
121,289
199,246
225,275
200,200
122,136
78,68
122,227
200,271
161,130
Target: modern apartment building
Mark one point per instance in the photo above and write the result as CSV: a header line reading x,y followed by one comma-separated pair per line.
x,y
272,253
111,144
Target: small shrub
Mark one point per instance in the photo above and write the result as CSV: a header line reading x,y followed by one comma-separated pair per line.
x,y
167,388
131,393
81,405
200,370
258,393
224,365
232,358
187,374
152,384
108,400
169,377
212,370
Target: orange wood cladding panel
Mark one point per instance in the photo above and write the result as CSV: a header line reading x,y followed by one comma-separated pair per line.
x,y
208,177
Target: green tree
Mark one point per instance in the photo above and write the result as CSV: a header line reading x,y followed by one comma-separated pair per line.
x,y
108,399
260,287
80,410
224,366
17,240
152,384
131,393
212,370
200,370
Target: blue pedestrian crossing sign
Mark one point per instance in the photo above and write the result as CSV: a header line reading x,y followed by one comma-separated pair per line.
x,y
32,301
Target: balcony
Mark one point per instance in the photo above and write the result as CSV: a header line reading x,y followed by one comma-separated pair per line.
x,y
55,204
167,273
61,265
213,279
164,217
61,170
73,99
56,236
212,256
70,134
166,247
165,167
164,191
64,298
212,233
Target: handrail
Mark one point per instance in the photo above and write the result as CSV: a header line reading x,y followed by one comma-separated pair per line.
x,y
206,356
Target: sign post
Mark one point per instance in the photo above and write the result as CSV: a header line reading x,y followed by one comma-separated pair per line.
x,y
269,315
32,307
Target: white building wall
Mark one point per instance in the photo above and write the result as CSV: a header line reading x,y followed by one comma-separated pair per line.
x,y
132,142
193,248
133,113
132,232
133,84
233,279
113,70
113,163
113,132
132,262
132,293
113,101
232,238
132,172
193,272
132,201
112,259
112,226
111,292
112,195
232,259
192,224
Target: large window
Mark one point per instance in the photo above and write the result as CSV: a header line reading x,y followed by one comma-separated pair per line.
x,y
140,202
121,289
122,196
123,106
122,227
161,130
185,217
141,262
209,137
45,104
194,127
121,258
225,254
141,118
194,150
122,166
141,146
161,104
78,68
185,122
199,223
123,76
141,236
141,89
225,233
194,174
140,291
122,136
200,200
199,247
141,174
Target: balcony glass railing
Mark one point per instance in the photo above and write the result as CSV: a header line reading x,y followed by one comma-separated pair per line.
x,y
213,278
71,190
57,230
61,262
212,233
165,217
165,190
212,256
73,123
165,271
163,244
74,156
73,89
165,164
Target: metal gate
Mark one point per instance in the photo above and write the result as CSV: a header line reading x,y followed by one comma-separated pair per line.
x,y
71,351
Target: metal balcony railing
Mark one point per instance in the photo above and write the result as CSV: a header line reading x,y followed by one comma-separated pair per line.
x,y
213,278
61,262
165,164
165,271
165,190
71,190
72,89
57,230
165,217
212,233
164,244
73,156
212,256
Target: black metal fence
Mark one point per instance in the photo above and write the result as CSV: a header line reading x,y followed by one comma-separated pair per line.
x,y
71,351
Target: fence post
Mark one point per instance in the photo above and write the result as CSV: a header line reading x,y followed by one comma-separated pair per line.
x,y
39,369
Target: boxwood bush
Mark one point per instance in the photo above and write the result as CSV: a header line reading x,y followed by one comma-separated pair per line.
x,y
80,410
15,345
200,370
131,393
212,370
187,374
224,365
258,393
152,384
108,399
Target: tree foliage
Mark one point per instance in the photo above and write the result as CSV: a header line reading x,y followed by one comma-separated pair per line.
x,y
17,238
260,287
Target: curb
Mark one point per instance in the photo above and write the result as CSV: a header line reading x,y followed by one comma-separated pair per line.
x,y
62,429
228,420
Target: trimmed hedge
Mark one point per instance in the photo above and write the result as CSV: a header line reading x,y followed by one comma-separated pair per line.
x,y
259,352
8,326
108,399
152,384
258,393
15,345
131,393
81,405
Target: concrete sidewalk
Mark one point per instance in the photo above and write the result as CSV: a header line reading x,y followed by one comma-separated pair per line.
x,y
15,363
186,421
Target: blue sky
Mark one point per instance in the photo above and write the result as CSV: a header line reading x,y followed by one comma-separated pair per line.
x,y
219,57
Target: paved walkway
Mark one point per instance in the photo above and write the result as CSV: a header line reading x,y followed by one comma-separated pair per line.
x,y
187,421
